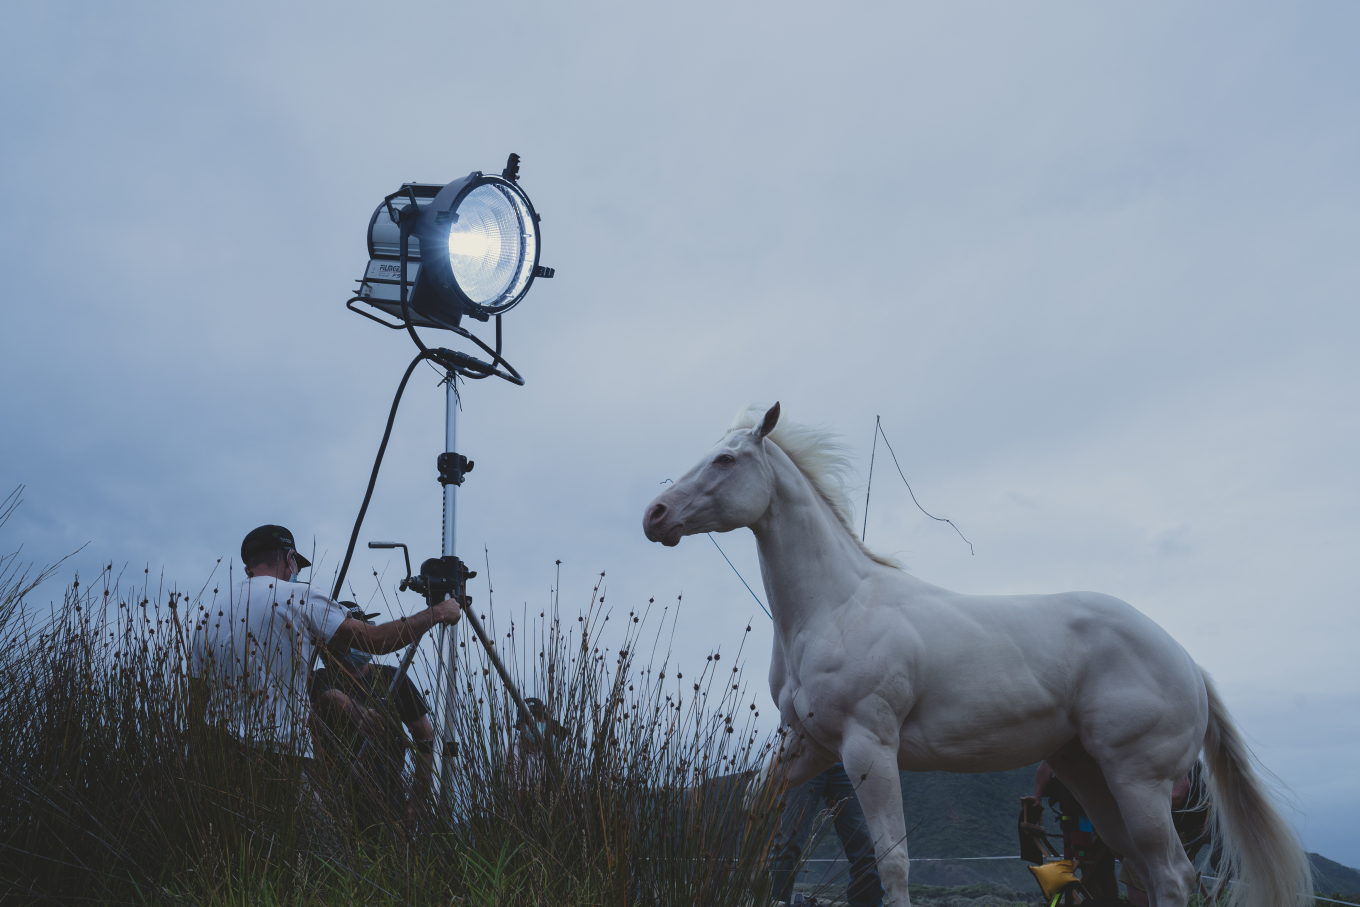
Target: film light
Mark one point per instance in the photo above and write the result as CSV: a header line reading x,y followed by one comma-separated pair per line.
x,y
472,248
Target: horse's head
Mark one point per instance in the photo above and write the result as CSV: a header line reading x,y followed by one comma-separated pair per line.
x,y
728,489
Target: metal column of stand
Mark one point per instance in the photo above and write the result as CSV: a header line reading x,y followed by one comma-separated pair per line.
x,y
448,637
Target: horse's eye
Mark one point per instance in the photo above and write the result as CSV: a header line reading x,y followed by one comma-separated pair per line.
x,y
726,459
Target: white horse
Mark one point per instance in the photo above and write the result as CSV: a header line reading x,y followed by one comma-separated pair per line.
x,y
879,670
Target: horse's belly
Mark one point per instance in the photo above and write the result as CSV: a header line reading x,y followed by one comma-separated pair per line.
x,y
946,747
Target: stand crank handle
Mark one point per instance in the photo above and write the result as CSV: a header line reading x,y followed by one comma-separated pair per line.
x,y
404,550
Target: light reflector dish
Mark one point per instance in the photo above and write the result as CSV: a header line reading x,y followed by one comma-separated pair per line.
x,y
492,245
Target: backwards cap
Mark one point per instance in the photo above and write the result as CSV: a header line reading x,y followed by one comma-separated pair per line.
x,y
269,538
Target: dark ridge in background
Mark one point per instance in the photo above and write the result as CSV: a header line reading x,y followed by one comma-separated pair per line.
x,y
963,815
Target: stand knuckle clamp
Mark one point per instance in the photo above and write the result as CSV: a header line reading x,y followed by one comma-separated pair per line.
x,y
453,468
440,578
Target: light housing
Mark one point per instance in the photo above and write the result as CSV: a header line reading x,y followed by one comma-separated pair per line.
x,y
472,249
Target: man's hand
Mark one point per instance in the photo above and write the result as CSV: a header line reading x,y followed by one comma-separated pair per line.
x,y
447,612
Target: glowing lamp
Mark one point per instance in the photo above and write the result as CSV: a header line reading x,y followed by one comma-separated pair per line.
x,y
471,248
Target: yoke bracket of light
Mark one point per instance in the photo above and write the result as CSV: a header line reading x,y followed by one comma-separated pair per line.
x,y
439,252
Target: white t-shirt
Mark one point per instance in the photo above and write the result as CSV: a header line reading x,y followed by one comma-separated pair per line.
x,y
255,650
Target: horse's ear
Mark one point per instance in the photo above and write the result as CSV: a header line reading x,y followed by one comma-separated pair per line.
x,y
771,419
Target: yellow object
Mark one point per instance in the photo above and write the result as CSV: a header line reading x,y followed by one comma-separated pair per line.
x,y
1054,877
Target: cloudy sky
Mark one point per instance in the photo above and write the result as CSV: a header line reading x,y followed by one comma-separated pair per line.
x,y
1094,265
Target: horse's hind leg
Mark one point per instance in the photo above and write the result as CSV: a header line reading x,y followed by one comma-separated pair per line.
x,y
1154,848
1080,773
1132,812
1075,768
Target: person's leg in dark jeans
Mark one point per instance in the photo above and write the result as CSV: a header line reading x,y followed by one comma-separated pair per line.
x,y
866,889
832,789
801,806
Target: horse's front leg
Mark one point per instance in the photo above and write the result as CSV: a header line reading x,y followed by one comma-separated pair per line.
x,y
872,767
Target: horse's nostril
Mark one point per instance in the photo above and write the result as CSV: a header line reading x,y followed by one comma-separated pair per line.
x,y
658,512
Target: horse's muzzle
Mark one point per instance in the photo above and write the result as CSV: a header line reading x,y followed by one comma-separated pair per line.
x,y
660,526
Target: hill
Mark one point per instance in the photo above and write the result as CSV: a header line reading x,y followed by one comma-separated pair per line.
x,y
1331,878
953,819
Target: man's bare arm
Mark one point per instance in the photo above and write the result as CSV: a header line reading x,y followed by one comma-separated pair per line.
x,y
393,635
1041,779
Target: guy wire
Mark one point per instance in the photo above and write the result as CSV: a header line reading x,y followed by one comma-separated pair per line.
x,y
739,576
879,431
872,451
734,567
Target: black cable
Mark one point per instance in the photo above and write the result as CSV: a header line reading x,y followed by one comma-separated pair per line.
x,y
377,464
408,218
496,357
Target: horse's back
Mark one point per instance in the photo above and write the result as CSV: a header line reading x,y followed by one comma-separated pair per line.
x,y
1068,639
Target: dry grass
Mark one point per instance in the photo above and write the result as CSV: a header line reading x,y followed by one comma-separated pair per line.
x,y
118,791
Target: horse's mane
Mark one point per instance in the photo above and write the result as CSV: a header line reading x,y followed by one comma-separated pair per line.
x,y
821,458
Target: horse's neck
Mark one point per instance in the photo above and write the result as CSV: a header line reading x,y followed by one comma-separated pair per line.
x,y
807,559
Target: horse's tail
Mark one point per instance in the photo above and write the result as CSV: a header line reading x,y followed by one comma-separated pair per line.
x,y
1256,848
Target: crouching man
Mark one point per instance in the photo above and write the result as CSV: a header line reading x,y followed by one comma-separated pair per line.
x,y
250,663
358,716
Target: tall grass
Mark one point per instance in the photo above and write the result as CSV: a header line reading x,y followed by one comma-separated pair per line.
x,y
117,790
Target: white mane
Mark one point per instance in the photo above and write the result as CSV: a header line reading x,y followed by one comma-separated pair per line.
x,y
820,457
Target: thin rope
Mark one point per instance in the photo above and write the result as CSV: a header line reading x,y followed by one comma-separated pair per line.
x,y
733,566
865,528
739,576
913,494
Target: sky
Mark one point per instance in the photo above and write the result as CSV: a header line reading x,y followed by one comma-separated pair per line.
x,y
1093,265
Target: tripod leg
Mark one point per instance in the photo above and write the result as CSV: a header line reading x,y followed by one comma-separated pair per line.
x,y
505,676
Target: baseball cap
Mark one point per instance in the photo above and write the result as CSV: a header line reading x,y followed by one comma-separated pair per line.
x,y
536,708
353,610
355,657
268,537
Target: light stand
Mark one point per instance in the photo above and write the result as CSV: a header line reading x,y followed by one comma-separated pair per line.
x,y
469,247
447,645
450,446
